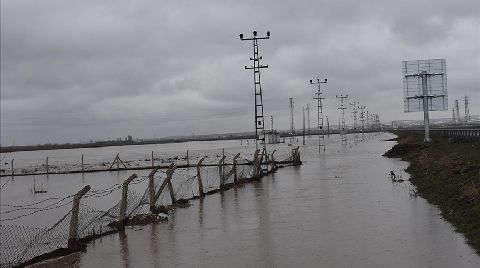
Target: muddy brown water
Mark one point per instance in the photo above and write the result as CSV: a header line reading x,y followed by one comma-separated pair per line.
x,y
339,209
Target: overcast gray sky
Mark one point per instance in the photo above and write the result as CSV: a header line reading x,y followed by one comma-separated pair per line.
x,y
79,70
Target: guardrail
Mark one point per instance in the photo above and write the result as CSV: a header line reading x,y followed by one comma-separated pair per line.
x,y
462,134
454,133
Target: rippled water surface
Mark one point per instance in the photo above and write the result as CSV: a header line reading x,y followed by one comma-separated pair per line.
x,y
338,209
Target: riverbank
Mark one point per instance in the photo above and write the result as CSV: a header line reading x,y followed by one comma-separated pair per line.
x,y
447,174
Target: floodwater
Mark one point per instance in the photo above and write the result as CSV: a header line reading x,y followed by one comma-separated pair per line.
x,y
339,209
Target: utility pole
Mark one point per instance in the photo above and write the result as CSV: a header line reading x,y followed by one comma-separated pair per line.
x,y
453,116
368,121
259,120
362,118
271,119
308,118
343,127
354,115
319,98
328,127
303,109
457,112
467,110
292,125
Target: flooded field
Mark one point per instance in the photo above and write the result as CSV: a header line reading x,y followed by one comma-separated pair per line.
x,y
339,209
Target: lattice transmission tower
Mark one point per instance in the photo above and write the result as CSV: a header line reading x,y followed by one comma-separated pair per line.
x,y
362,119
259,119
457,112
319,97
343,126
354,115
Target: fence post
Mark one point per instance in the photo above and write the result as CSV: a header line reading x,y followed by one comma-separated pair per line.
x,y
235,176
220,172
83,169
151,188
199,178
188,161
166,181
123,204
11,166
272,162
170,171
255,164
72,234
152,160
46,164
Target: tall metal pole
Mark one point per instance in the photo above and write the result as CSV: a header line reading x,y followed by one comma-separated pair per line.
x,y
259,120
362,119
328,127
319,97
425,96
292,125
308,118
467,110
457,111
303,109
343,127
426,119
354,115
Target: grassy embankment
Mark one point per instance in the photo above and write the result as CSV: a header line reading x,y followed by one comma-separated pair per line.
x,y
447,174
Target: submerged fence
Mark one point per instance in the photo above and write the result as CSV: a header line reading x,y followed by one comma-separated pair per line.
x,y
58,164
165,188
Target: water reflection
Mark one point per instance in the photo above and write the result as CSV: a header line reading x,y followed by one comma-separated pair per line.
x,y
264,228
154,246
122,237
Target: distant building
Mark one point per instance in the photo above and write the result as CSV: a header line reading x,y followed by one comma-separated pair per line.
x,y
272,136
129,138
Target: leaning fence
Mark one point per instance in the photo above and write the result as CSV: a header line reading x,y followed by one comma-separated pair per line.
x,y
164,189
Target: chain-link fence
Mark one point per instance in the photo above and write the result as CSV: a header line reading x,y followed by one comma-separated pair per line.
x,y
164,188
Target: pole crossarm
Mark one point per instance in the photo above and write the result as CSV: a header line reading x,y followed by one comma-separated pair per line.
x,y
258,67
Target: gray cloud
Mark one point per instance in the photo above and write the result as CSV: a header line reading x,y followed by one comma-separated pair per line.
x,y
73,71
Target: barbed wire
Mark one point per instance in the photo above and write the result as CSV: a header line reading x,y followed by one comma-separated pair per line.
x,y
24,244
28,214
